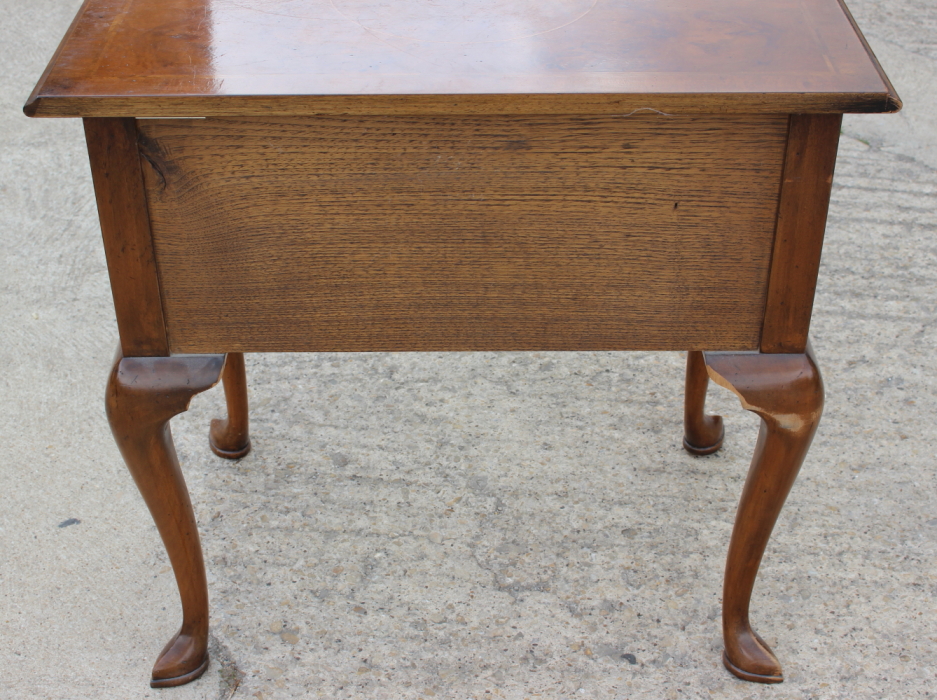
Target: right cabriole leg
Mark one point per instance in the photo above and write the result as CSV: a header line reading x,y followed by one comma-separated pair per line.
x,y
786,391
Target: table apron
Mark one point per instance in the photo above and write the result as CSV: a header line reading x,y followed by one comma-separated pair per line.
x,y
395,233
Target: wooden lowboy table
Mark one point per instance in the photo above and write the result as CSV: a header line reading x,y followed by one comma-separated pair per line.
x,y
364,175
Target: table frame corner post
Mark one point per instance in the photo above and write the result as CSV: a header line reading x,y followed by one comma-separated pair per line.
x,y
786,392
128,242
143,394
803,203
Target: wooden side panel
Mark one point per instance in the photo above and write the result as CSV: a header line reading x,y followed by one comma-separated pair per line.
x,y
805,199
463,233
125,226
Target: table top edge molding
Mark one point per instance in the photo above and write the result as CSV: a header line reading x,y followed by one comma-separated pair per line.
x,y
669,104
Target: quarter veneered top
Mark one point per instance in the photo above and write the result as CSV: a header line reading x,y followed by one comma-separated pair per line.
x,y
239,57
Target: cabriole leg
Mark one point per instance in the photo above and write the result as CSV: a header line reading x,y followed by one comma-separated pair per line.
x,y
786,391
229,437
143,394
702,434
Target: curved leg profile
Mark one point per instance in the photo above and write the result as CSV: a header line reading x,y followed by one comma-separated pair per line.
x,y
702,434
143,393
786,391
229,437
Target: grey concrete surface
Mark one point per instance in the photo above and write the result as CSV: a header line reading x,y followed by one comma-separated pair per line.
x,y
493,525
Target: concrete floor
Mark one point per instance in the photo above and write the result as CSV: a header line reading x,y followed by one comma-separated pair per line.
x,y
473,525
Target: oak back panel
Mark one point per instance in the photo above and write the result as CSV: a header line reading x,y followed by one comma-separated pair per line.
x,y
463,233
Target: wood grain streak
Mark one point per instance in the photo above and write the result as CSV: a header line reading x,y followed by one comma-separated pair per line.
x,y
463,233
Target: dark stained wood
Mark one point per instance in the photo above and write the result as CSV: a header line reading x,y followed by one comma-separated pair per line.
x,y
125,226
702,434
786,391
143,394
210,58
801,222
230,437
473,233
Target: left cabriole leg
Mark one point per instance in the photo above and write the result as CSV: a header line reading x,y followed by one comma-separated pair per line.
x,y
143,394
786,391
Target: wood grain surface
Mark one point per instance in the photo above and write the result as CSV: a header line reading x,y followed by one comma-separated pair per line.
x,y
469,233
291,57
